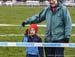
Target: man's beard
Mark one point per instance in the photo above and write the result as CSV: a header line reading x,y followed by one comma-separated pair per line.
x,y
52,4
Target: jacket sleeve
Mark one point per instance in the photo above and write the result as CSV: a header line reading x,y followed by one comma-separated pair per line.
x,y
41,52
36,18
68,23
25,39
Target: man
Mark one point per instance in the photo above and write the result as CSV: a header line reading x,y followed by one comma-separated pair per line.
x,y
58,28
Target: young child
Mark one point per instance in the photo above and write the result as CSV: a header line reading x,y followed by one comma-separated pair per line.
x,y
31,36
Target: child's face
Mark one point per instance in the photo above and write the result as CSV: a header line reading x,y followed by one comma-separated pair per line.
x,y
32,31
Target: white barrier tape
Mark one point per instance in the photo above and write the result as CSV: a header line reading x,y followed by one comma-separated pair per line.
x,y
32,44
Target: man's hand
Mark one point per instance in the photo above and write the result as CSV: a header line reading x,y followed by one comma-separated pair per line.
x,y
23,24
66,40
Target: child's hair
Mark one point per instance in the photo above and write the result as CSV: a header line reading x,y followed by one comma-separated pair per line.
x,y
26,31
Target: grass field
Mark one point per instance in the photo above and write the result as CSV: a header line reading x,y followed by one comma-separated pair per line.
x,y
16,15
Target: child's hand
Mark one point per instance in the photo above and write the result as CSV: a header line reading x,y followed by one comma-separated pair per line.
x,y
27,32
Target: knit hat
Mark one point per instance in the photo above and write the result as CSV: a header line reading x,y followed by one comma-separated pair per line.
x,y
34,26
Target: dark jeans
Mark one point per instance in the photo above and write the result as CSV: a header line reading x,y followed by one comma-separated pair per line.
x,y
29,55
55,51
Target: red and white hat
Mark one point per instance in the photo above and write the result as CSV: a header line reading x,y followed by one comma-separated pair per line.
x,y
34,26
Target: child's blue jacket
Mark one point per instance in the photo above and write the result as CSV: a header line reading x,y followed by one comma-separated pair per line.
x,y
33,50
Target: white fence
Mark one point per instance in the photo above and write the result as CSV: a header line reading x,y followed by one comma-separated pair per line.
x,y
73,25
10,25
32,3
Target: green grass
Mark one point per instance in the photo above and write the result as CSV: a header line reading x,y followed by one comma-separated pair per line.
x,y
16,15
72,10
70,51
12,52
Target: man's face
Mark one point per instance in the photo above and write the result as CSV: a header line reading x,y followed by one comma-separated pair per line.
x,y
32,31
52,2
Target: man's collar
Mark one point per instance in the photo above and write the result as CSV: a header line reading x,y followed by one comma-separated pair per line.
x,y
57,7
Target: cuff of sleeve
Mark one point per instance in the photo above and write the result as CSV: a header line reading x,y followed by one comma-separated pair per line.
x,y
67,36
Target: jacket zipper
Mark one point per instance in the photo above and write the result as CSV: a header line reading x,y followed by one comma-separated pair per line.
x,y
51,26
